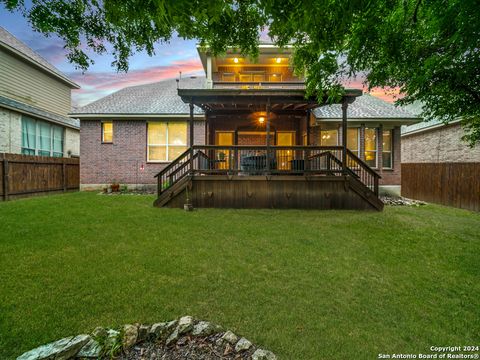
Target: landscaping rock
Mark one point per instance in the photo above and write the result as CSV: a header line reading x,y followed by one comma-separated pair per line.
x,y
130,335
204,328
143,331
261,354
185,324
230,337
173,337
185,338
91,350
242,345
100,332
62,349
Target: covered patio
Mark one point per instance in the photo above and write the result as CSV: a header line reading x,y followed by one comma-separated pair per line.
x,y
252,157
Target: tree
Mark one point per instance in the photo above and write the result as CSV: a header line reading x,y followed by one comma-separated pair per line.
x,y
429,49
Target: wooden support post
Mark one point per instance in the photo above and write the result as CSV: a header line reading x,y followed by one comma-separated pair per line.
x,y
5,179
344,135
191,136
306,161
268,135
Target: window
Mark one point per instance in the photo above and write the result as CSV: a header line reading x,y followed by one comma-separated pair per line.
x,y
107,132
329,137
387,149
29,136
41,138
166,141
274,77
353,141
371,147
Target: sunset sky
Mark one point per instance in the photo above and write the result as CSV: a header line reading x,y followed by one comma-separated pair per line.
x,y
101,79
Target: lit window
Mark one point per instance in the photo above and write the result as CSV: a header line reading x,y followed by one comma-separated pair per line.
x,y
166,141
353,140
371,147
387,150
329,137
107,131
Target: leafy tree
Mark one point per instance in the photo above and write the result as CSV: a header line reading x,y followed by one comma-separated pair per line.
x,y
429,49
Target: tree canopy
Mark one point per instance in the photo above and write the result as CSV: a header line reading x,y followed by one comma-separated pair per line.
x,y
429,49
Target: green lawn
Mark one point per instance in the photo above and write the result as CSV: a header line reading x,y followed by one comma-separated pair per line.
x,y
304,284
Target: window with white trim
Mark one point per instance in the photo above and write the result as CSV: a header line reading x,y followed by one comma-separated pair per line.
x,y
41,138
371,147
166,140
107,132
353,140
387,158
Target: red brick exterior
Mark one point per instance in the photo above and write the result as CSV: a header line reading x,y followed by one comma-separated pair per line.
x,y
125,160
122,160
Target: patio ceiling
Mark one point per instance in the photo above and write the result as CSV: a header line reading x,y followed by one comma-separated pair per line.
x,y
252,100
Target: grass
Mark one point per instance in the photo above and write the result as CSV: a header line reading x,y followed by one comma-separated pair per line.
x,y
305,284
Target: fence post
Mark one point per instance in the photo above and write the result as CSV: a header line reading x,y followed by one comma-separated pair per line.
x,y
5,179
64,175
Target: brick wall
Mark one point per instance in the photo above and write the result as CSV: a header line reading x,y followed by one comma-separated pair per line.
x,y
442,144
121,161
10,132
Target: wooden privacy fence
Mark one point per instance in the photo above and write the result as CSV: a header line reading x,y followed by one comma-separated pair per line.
x,y
24,175
451,184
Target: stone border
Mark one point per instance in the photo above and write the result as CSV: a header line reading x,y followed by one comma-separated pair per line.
x,y
108,343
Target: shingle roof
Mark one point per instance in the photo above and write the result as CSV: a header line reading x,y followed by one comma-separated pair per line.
x,y
10,42
36,112
156,98
364,107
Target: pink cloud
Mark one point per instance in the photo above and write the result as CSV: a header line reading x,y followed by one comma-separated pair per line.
x,y
95,85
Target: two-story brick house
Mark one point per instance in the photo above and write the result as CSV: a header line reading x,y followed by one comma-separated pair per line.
x,y
35,100
244,118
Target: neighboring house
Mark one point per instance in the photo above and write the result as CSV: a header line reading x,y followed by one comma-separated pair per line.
x,y
439,166
35,100
246,120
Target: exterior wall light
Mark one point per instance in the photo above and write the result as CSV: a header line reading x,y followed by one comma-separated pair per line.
x,y
235,60
278,60
261,119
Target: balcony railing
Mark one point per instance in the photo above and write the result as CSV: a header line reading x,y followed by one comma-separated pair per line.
x,y
263,160
296,85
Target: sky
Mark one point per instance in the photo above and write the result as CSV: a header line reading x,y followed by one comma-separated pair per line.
x,y
102,79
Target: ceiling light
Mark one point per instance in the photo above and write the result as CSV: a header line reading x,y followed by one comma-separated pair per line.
x,y
278,60
235,60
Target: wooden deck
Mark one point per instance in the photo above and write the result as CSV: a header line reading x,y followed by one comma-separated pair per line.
x,y
300,177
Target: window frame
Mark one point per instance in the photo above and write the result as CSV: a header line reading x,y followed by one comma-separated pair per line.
x,y
103,131
390,152
335,137
166,145
357,151
371,151
37,151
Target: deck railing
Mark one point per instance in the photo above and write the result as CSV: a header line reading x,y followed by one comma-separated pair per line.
x,y
263,160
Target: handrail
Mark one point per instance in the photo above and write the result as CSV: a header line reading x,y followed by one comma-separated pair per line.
x,y
363,164
173,163
263,160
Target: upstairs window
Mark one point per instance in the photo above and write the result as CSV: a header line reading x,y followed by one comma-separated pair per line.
x,y
107,132
41,138
166,140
